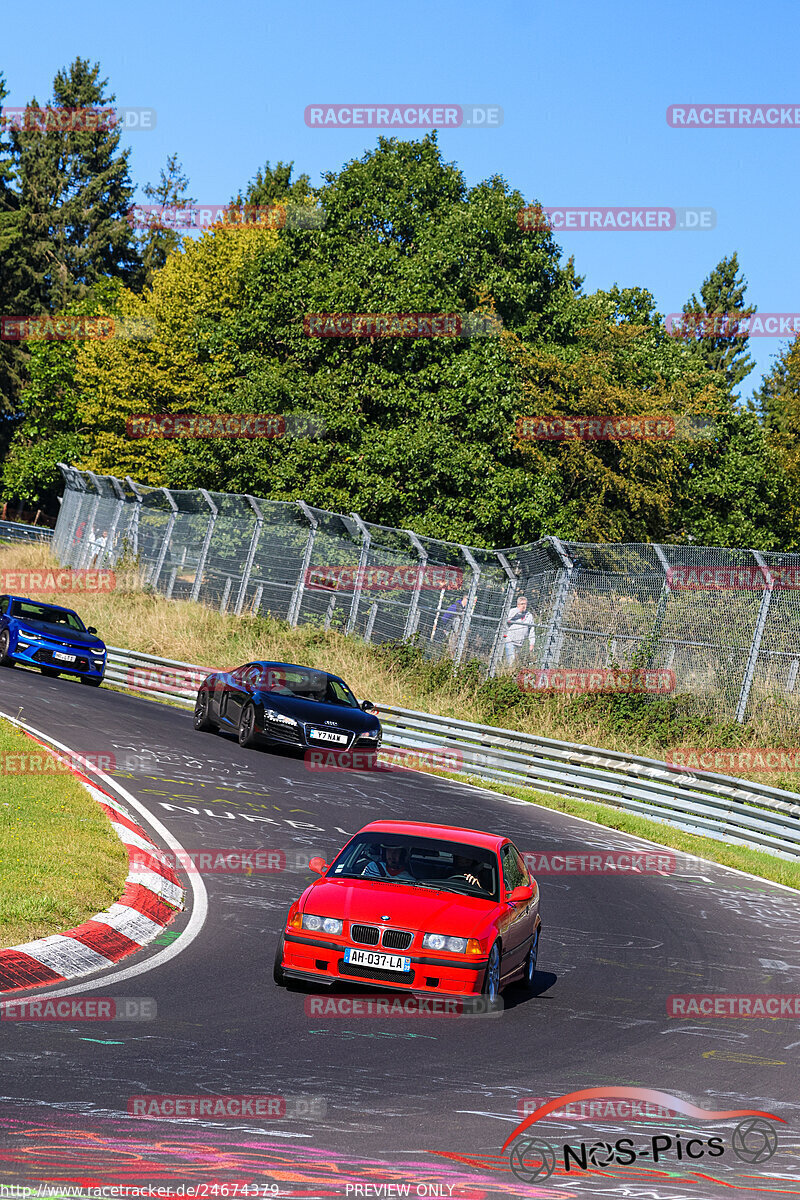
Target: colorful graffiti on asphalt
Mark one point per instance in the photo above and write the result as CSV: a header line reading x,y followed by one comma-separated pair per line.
x,y
113,1152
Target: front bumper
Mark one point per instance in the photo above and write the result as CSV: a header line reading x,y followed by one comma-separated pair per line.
x,y
43,653
319,960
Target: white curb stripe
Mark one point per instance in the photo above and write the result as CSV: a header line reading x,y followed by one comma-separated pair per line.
x,y
130,923
65,955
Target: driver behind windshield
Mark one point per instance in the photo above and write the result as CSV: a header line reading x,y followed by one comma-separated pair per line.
x,y
467,868
393,864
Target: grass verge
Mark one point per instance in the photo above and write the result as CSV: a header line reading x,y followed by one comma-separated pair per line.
x,y
60,860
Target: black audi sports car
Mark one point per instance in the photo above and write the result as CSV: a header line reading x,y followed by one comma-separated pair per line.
x,y
286,704
50,637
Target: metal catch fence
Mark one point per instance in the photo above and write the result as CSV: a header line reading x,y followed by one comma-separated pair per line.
x,y
593,606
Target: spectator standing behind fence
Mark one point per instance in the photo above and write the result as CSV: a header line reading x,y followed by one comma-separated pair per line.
x,y
518,630
450,622
98,544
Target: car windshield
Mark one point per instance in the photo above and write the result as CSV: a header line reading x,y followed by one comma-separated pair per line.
x,y
26,610
419,862
305,684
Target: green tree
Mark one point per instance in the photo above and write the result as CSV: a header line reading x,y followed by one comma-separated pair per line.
x,y
161,238
75,192
12,355
722,294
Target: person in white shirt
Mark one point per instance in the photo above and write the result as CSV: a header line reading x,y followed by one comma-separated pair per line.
x,y
518,630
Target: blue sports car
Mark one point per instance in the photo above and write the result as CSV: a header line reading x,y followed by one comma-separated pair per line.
x,y
288,705
51,638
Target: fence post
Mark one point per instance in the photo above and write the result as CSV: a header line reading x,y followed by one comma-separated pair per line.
x,y
412,619
112,533
758,633
371,621
466,620
201,562
366,542
64,549
552,647
136,515
661,610
251,554
511,586
162,554
297,595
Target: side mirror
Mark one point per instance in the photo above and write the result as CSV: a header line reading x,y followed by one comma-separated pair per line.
x,y
520,894
318,864
368,706
91,629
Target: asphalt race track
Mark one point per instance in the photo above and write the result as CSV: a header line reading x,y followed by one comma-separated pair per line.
x,y
398,1100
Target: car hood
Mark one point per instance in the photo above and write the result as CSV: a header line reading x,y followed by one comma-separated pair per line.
x,y
314,712
397,904
57,633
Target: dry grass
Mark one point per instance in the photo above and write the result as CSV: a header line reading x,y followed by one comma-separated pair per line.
x,y
60,860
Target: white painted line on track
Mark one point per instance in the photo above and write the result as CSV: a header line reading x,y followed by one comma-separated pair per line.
x,y
199,893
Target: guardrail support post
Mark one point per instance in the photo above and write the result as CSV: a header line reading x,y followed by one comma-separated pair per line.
x,y
251,553
758,633
466,620
366,541
412,620
297,595
552,646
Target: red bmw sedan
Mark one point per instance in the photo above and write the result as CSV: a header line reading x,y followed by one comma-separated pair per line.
x,y
422,908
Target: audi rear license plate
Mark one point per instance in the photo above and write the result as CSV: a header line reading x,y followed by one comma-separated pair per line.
x,y
327,735
374,958
63,657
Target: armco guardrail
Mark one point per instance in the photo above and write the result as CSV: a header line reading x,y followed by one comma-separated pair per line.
x,y
716,806
13,531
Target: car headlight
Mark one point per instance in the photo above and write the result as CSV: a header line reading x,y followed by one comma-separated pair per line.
x,y
440,941
322,924
372,733
271,715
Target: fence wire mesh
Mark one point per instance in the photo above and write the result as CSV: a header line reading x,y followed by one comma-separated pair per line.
x,y
735,640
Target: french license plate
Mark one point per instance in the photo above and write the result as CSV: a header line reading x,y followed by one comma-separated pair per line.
x,y
63,657
374,958
327,735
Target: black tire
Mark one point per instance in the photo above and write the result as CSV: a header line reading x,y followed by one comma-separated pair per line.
x,y
50,672
491,980
277,966
248,738
90,682
201,720
5,641
529,977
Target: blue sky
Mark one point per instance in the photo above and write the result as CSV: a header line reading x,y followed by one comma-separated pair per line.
x,y
584,88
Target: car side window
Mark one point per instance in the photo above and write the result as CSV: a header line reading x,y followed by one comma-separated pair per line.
x,y
238,676
525,874
512,870
3,605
